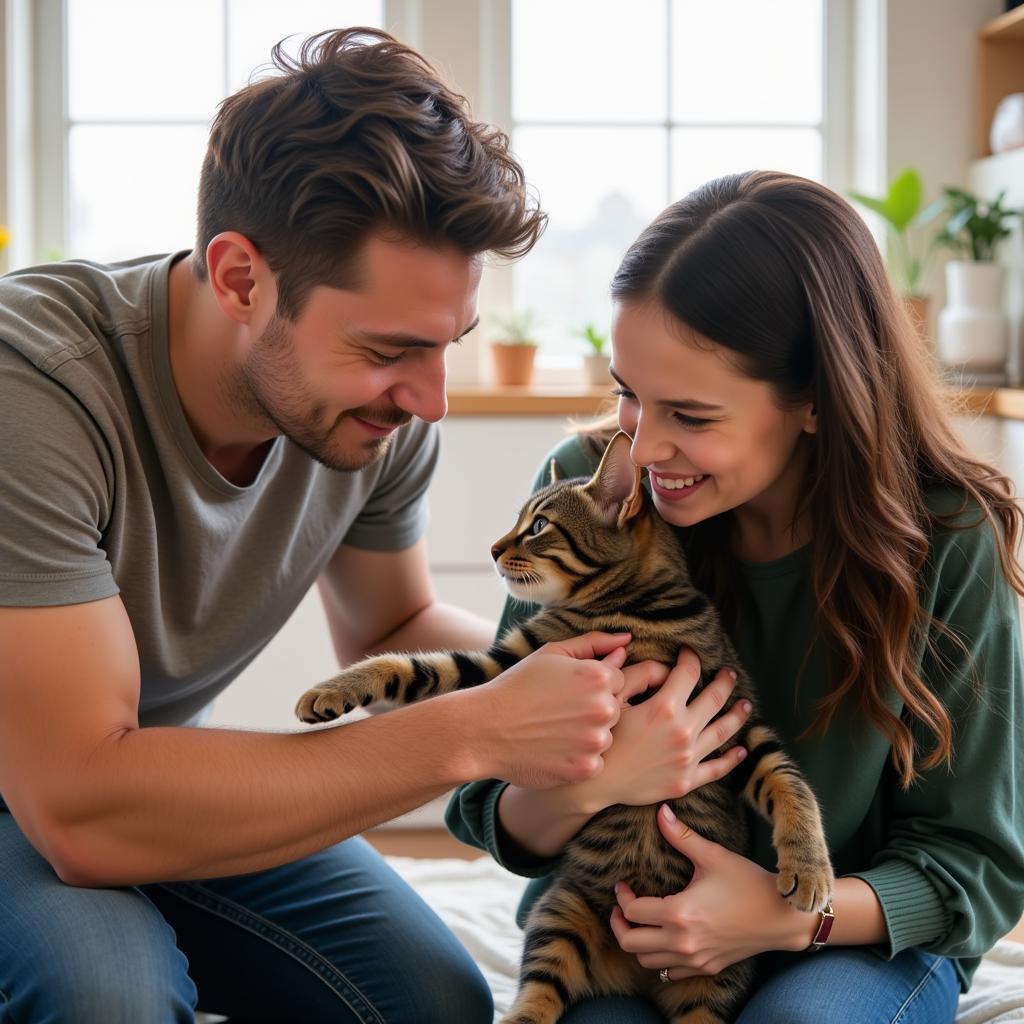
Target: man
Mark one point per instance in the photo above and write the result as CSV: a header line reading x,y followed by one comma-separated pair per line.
x,y
188,443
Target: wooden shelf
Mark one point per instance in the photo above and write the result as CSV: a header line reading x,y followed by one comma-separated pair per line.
x,y
567,400
1000,69
586,402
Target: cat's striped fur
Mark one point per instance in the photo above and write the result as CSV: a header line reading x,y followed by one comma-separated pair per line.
x,y
597,556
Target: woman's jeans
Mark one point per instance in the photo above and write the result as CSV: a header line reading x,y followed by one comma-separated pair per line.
x,y
845,985
335,937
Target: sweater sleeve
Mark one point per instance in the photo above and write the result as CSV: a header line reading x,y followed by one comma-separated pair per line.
x,y
472,813
950,877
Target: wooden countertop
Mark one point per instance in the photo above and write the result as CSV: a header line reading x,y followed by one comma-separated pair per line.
x,y
584,401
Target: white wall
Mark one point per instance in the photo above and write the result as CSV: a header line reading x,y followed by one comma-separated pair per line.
x,y
929,97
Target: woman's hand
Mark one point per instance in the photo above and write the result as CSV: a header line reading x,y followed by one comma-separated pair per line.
x,y
658,747
730,910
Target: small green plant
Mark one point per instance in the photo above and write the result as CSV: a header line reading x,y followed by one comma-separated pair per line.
x,y
975,228
516,327
594,338
901,209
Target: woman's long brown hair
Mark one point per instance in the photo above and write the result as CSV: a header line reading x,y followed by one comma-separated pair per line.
x,y
784,273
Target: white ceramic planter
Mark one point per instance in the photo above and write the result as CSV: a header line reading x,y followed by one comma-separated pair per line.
x,y
973,330
596,369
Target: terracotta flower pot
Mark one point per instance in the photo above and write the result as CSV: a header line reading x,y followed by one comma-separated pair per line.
x,y
513,364
595,369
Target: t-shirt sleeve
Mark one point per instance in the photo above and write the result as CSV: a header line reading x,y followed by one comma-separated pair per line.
x,y
950,877
55,475
395,514
472,814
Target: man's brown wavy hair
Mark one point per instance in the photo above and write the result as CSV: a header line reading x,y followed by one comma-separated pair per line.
x,y
359,134
784,274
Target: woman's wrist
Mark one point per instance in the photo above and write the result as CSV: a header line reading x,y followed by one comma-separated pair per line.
x,y
542,821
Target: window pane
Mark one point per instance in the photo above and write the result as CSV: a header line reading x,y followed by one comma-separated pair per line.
x,y
700,154
600,188
132,189
254,26
747,61
136,59
581,60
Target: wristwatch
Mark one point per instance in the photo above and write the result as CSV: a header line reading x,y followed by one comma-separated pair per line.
x,y
824,929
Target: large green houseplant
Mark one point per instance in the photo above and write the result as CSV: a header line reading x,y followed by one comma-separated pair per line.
x,y
903,210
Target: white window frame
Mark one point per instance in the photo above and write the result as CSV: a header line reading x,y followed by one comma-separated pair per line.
x,y
469,40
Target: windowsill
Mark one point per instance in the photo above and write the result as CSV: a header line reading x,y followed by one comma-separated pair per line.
x,y
586,401
535,400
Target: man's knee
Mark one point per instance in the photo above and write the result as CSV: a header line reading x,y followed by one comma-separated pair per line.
x,y
453,992
103,956
129,993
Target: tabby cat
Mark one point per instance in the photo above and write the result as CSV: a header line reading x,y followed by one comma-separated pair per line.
x,y
597,556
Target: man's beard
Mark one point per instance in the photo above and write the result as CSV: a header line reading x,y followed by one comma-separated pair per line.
x,y
270,386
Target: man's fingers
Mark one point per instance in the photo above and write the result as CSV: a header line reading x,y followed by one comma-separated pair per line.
x,y
590,645
642,676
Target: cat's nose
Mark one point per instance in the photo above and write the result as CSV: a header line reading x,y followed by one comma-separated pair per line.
x,y
496,551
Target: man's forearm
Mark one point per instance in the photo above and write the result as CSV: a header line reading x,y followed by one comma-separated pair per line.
x,y
439,626
173,803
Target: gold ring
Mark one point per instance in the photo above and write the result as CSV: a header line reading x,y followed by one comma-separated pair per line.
x,y
663,974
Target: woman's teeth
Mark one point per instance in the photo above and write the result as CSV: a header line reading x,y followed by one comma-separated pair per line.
x,y
677,484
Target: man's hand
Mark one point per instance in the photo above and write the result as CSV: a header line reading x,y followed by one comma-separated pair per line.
x,y
547,720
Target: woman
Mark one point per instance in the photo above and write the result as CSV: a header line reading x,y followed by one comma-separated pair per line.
x,y
863,563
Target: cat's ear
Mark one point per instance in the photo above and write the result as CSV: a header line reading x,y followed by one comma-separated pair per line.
x,y
616,485
553,471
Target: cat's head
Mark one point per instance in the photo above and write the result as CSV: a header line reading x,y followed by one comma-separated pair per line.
x,y
572,529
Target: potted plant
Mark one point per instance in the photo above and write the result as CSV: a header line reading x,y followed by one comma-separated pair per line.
x,y
596,361
973,329
902,211
513,350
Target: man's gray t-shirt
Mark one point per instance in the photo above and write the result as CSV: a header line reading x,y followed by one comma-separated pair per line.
x,y
104,490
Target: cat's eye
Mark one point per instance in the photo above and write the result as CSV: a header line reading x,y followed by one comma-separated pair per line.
x,y
538,524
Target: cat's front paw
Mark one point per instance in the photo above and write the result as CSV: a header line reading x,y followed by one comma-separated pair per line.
x,y
363,684
806,881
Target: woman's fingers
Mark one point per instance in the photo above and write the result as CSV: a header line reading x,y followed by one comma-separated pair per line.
x,y
710,701
683,677
641,677
722,729
718,767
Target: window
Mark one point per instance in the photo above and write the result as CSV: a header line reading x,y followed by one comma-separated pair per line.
x,y
614,110
617,110
143,82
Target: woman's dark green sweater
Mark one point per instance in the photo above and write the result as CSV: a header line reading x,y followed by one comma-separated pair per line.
x,y
946,857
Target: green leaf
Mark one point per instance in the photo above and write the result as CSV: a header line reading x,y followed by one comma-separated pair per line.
x,y
878,205
904,199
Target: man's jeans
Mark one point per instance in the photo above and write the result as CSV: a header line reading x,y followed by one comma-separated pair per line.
x,y
335,937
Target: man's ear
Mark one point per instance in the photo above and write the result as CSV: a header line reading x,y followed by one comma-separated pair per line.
x,y
616,485
239,277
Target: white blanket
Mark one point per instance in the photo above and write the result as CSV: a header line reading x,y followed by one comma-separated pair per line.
x,y
478,900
